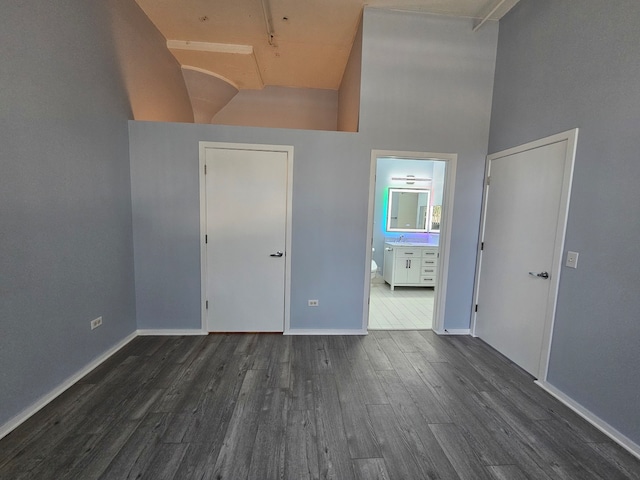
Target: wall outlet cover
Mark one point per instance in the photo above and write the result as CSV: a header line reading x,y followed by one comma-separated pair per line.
x,y
572,259
96,323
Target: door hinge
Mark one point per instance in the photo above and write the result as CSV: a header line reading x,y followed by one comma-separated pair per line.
x,y
206,239
206,304
481,245
476,309
205,169
488,181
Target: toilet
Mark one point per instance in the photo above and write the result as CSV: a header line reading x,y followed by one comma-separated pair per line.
x,y
374,266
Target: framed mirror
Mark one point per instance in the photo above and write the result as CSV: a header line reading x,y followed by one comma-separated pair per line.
x,y
408,210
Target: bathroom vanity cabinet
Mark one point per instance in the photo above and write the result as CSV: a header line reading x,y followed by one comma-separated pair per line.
x,y
410,265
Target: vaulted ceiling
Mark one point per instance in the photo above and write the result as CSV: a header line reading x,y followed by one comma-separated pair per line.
x,y
293,43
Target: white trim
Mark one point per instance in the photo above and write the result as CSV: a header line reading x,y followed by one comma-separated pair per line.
x,y
288,149
209,47
171,332
319,331
445,228
47,398
571,137
203,232
445,241
454,331
621,439
289,243
476,281
479,23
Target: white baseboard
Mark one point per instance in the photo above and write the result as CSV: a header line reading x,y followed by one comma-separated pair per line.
x,y
316,331
454,331
171,332
621,439
32,409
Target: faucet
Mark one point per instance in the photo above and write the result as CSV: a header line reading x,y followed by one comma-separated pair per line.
x,y
400,238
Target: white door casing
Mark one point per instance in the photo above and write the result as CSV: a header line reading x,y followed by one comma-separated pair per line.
x,y
522,235
445,228
245,226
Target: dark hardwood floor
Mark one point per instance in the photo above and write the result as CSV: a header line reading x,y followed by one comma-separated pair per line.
x,y
392,405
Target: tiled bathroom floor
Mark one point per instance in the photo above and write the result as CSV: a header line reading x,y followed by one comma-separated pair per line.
x,y
405,308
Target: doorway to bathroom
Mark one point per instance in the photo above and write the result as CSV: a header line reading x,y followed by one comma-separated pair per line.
x,y
410,203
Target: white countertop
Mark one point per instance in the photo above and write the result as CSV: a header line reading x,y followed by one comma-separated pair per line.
x,y
431,243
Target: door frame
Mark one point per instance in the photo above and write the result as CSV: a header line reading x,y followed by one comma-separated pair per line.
x,y
445,230
288,149
571,137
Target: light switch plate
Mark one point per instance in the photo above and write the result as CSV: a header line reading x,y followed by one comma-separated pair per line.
x,y
572,259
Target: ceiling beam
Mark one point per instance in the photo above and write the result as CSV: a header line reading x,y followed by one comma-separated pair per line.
x,y
209,47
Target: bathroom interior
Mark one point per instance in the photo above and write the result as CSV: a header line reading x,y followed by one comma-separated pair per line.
x,y
406,230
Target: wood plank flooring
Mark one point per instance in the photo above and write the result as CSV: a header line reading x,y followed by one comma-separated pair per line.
x,y
391,405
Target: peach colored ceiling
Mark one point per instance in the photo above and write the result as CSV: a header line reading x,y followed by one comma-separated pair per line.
x,y
311,38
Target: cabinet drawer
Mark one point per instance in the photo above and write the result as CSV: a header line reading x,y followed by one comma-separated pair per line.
x,y
408,252
429,271
430,253
429,261
428,279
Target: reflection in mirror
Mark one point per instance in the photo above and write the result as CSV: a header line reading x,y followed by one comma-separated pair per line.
x,y
408,210
436,214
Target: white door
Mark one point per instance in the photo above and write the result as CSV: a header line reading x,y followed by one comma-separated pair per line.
x,y
246,222
524,224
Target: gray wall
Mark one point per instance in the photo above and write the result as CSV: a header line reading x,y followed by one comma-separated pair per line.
x,y
329,222
426,86
572,64
66,254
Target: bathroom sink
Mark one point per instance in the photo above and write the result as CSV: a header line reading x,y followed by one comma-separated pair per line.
x,y
412,244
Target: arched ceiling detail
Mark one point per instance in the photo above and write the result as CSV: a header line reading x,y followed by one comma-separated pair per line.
x,y
208,91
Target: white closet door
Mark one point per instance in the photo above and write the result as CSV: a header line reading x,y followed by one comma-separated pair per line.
x,y
523,219
246,201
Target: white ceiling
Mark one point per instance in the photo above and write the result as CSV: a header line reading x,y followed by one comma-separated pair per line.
x,y
310,40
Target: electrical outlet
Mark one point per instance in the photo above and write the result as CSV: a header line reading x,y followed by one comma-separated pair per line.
x,y
96,323
572,259
314,303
